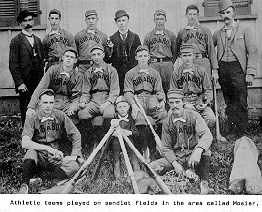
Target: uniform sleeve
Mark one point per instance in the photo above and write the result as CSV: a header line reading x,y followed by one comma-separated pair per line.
x,y
178,42
73,134
77,42
86,87
173,83
76,91
173,46
146,40
160,94
211,50
43,84
107,50
29,127
14,62
45,48
215,38
167,139
207,88
129,88
114,85
203,133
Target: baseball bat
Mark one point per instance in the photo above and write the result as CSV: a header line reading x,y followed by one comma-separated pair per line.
x,y
156,137
70,185
127,161
158,180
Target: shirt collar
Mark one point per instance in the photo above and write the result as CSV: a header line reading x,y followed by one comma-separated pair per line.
x,y
40,114
70,72
231,27
103,67
26,33
126,32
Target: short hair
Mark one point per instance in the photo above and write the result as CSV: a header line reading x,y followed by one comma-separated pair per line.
x,y
142,48
48,92
55,11
192,7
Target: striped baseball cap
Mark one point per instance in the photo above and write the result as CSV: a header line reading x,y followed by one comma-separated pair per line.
x,y
90,12
175,94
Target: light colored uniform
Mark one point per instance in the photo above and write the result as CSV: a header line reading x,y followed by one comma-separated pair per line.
x,y
49,132
196,88
201,38
162,48
85,40
145,85
179,139
99,87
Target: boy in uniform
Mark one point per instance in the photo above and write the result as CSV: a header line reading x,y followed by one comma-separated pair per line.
x,y
56,41
195,84
186,139
41,135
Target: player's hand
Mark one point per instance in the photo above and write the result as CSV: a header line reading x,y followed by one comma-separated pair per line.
x,y
104,106
249,79
22,88
178,168
195,157
161,105
127,132
30,112
201,107
109,43
57,154
135,110
215,75
189,106
71,111
82,105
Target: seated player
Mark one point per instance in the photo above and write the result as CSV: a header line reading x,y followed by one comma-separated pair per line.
x,y
146,83
186,139
195,83
128,126
41,137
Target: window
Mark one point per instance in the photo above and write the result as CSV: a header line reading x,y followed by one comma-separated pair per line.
x,y
9,10
243,7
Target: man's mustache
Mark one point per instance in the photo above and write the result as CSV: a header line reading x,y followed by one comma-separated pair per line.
x,y
226,18
28,26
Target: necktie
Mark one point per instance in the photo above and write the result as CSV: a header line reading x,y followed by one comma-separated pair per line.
x,y
124,36
30,36
228,30
91,31
190,71
179,119
98,70
159,32
45,119
65,73
54,32
144,71
190,27
123,118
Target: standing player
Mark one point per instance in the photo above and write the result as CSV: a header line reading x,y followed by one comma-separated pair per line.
x,y
201,38
186,140
162,47
146,83
87,38
56,40
195,84
125,44
41,136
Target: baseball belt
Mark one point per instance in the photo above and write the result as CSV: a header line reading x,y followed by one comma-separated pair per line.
x,y
160,60
98,90
88,62
52,59
143,91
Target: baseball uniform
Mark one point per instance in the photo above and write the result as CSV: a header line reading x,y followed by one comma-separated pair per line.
x,y
162,48
197,89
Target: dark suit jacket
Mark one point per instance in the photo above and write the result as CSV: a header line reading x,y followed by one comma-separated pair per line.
x,y
133,43
20,60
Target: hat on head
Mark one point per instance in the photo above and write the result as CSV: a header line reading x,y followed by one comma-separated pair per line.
x,y
224,4
97,46
70,49
44,91
175,94
23,14
185,48
192,7
55,11
160,12
121,99
120,13
141,48
90,12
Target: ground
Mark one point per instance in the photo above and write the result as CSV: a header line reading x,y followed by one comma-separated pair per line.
x,y
11,162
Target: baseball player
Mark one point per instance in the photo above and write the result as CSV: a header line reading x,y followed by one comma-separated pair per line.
x,y
56,40
162,47
195,83
100,90
127,123
201,38
41,135
65,81
87,38
186,140
124,43
146,83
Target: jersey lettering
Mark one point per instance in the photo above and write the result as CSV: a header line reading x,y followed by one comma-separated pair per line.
x,y
192,35
188,78
94,79
89,37
142,79
63,40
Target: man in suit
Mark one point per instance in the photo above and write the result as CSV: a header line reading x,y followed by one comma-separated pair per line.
x,y
125,44
26,60
237,56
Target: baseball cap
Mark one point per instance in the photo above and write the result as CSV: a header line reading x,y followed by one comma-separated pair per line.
x,y
186,48
23,14
121,99
192,7
120,13
175,94
160,12
70,49
90,12
55,11
97,47
141,48
224,4
44,91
